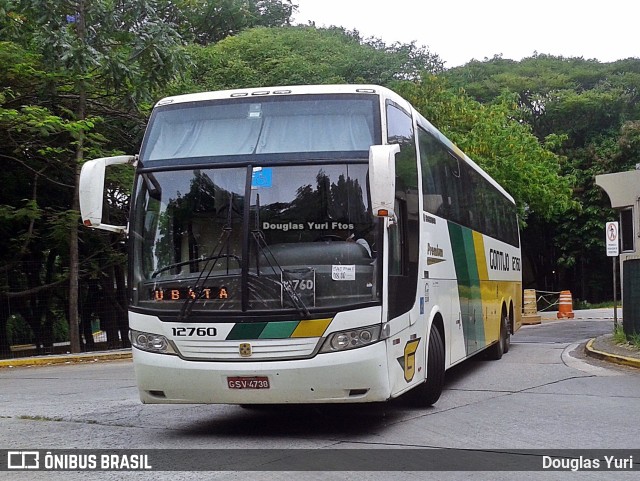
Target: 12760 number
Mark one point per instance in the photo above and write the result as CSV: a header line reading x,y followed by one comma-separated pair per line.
x,y
194,331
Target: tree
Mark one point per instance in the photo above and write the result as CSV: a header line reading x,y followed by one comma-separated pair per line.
x,y
97,49
301,55
205,22
35,195
588,108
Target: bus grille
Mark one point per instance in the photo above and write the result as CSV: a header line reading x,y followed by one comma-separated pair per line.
x,y
253,350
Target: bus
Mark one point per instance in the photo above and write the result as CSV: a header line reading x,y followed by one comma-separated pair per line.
x,y
308,244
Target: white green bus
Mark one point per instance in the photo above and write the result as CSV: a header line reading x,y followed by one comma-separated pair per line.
x,y
308,244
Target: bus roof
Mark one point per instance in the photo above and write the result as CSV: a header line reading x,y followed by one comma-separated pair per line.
x,y
282,90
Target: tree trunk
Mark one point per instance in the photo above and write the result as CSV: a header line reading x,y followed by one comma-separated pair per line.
x,y
74,321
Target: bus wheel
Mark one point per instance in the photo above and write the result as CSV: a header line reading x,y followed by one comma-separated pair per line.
x,y
507,338
427,393
496,351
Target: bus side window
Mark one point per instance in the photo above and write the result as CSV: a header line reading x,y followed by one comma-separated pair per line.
x,y
403,237
435,161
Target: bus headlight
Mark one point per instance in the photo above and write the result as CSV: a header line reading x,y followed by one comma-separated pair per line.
x,y
351,339
147,341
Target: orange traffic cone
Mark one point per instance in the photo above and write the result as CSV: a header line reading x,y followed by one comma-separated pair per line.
x,y
565,305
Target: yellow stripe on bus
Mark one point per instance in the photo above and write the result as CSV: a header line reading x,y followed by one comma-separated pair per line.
x,y
481,258
488,290
313,328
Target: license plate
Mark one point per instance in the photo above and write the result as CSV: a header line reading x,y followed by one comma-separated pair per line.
x,y
242,382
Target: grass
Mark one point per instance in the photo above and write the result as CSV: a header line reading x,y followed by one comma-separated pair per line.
x,y
39,418
619,337
46,418
580,304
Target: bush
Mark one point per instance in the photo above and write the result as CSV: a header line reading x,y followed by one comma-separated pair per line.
x,y
18,331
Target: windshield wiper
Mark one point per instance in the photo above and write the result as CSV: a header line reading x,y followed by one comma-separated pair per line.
x,y
293,296
216,253
263,248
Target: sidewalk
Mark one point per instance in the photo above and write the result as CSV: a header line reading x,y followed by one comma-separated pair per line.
x,y
49,360
604,348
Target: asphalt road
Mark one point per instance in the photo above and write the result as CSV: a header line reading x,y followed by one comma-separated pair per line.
x,y
543,394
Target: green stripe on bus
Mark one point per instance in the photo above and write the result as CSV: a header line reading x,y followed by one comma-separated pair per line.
x,y
279,330
250,330
459,255
469,293
476,309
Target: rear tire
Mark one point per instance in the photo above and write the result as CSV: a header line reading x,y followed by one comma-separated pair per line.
x,y
427,393
507,339
496,351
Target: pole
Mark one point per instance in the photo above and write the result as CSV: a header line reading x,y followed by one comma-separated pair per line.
x,y
615,299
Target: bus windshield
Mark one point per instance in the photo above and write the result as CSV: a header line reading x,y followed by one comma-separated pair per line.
x,y
260,126
305,239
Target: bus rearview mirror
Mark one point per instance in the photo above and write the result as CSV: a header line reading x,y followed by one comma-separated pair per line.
x,y
382,179
91,191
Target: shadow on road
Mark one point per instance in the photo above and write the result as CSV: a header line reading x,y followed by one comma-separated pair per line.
x,y
286,420
290,420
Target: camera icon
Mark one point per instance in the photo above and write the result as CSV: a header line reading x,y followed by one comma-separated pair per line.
x,y
23,460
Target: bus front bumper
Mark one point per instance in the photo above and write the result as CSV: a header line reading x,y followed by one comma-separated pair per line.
x,y
358,375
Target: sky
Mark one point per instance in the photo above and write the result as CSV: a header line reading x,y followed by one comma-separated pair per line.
x,y
461,30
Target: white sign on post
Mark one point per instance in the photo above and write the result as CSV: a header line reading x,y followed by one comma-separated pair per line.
x,y
611,231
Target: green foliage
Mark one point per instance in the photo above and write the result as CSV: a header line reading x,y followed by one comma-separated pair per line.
x,y
60,326
502,146
87,60
78,79
587,112
300,55
620,337
27,213
60,224
18,331
205,22
123,45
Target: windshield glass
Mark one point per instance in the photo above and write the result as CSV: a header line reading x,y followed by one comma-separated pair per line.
x,y
260,126
304,240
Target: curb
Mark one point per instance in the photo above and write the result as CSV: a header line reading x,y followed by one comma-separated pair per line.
x,y
615,358
65,359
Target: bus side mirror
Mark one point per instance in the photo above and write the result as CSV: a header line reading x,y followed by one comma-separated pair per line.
x,y
382,179
91,191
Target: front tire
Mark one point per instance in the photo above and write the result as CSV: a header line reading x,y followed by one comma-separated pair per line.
x,y
427,393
